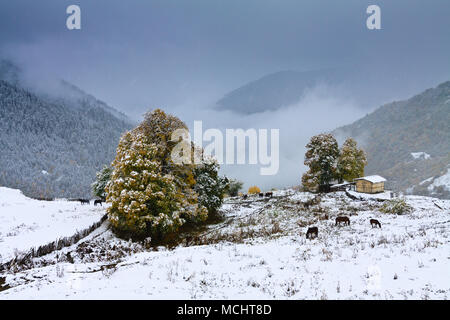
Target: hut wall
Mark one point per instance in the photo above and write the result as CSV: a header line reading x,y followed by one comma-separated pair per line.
x,y
378,187
369,187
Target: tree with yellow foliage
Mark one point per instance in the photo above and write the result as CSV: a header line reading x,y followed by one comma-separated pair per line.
x,y
254,190
150,195
351,161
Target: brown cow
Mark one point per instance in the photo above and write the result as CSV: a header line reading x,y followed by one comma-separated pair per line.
x,y
343,219
269,194
375,223
312,233
261,194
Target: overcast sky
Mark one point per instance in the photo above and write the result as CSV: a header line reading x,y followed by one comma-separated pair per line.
x,y
184,55
137,54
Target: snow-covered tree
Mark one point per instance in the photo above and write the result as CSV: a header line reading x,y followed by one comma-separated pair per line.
x,y
351,161
321,158
99,185
209,186
150,195
143,200
234,186
310,181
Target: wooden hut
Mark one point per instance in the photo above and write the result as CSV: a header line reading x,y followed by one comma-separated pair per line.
x,y
370,184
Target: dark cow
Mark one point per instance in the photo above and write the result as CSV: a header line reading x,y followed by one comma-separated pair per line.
x,y
312,233
245,196
269,194
96,202
261,195
375,223
84,201
344,220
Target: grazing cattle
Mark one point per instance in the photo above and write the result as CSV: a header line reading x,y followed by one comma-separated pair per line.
x,y
312,233
261,195
344,220
375,223
45,199
96,202
269,194
245,196
84,201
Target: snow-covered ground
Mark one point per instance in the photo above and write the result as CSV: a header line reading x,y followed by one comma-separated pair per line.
x,y
420,155
26,223
443,180
367,196
260,251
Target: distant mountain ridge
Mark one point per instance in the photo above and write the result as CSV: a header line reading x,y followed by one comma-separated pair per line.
x,y
408,142
64,93
74,97
273,91
365,85
53,146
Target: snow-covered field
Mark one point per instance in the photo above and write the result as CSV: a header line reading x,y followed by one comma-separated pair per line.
x,y
443,181
259,251
26,223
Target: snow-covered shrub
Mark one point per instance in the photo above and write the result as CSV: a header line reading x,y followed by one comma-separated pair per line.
x,y
234,186
396,206
102,179
254,190
209,186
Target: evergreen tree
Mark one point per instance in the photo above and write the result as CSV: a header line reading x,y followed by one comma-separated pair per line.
x,y
321,158
351,162
234,186
209,186
99,185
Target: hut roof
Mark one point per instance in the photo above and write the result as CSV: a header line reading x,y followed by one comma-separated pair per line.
x,y
373,179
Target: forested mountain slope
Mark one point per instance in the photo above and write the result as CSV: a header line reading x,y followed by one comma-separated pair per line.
x,y
50,149
408,141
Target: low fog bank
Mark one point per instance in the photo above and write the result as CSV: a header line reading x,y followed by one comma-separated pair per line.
x,y
318,111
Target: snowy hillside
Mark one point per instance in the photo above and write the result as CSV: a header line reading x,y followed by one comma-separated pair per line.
x,y
442,181
407,141
258,251
26,223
